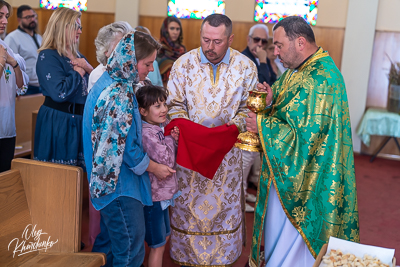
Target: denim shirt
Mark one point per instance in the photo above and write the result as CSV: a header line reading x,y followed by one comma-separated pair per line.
x,y
133,179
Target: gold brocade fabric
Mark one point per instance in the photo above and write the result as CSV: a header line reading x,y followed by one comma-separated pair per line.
x,y
308,155
207,220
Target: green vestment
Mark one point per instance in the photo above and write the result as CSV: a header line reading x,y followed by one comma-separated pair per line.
x,y
308,155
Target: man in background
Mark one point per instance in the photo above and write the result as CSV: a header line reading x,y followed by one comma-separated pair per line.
x,y
256,50
25,41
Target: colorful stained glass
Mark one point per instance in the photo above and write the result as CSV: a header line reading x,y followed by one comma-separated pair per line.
x,y
273,11
79,5
195,9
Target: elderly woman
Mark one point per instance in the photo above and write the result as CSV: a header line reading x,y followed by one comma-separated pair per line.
x,y
13,81
105,42
119,184
63,76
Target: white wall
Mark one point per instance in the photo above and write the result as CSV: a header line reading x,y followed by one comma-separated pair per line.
x,y
388,16
127,10
243,11
17,3
102,6
332,13
240,10
356,59
156,8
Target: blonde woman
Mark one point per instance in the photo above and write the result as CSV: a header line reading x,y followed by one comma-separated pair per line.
x,y
63,77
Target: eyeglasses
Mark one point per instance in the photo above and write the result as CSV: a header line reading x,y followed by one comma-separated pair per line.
x,y
258,39
30,17
78,27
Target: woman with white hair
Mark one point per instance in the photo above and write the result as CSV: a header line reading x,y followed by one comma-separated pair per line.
x,y
105,42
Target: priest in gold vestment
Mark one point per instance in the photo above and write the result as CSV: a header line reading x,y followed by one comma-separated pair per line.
x,y
307,190
209,86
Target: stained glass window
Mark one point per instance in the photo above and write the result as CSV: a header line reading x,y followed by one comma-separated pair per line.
x,y
79,5
195,9
273,11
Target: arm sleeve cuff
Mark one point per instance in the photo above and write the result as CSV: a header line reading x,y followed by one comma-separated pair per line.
x,y
142,166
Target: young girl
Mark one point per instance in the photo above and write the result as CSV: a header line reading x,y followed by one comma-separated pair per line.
x,y
161,149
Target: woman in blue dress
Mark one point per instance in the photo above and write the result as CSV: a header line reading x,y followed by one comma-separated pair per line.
x,y
63,75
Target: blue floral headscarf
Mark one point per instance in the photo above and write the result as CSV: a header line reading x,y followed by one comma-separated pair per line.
x,y
112,118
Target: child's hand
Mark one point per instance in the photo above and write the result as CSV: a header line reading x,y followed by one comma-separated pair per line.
x,y
175,133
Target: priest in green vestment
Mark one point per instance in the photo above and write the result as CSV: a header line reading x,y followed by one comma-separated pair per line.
x,y
307,189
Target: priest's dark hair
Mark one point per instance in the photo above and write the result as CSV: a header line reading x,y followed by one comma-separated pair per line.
x,y
150,94
216,20
295,27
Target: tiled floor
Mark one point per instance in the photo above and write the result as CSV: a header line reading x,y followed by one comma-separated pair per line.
x,y
378,186
167,260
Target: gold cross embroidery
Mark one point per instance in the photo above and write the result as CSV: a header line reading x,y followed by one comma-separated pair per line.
x,y
205,207
205,243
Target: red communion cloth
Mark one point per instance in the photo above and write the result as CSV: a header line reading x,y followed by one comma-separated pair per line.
x,y
200,148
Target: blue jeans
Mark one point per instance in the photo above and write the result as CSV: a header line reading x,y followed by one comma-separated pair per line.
x,y
157,225
122,232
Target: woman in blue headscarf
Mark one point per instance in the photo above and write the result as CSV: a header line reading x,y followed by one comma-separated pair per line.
x,y
115,160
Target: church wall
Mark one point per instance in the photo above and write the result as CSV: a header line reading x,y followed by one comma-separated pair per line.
x,y
329,31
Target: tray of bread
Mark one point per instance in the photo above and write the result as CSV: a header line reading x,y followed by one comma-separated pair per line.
x,y
343,253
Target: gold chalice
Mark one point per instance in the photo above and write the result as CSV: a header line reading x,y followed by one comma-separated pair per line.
x,y
249,141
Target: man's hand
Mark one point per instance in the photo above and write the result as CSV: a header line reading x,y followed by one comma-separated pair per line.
x,y
251,122
261,54
266,88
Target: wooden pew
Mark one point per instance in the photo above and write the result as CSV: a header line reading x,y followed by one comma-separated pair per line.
x,y
34,118
24,106
45,200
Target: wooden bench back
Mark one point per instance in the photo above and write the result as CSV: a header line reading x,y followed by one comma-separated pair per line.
x,y
24,105
54,196
14,218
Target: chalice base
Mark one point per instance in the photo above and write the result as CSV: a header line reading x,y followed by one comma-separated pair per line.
x,y
249,141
